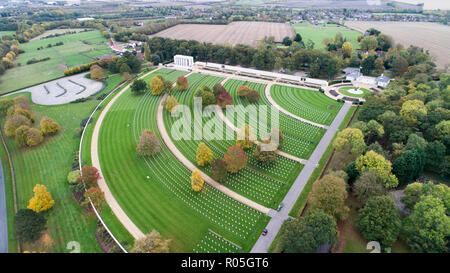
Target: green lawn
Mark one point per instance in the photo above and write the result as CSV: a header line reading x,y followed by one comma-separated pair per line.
x,y
265,185
346,91
308,104
49,164
300,138
317,33
6,32
156,192
79,48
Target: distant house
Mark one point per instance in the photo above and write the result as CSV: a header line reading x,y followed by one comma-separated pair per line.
x,y
139,24
85,19
134,44
354,75
118,49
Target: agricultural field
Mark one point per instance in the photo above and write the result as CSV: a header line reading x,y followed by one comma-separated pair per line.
x,y
431,36
156,197
317,33
308,104
77,49
248,33
350,91
56,31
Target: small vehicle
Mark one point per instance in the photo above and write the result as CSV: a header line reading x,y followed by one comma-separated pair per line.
x,y
280,206
264,232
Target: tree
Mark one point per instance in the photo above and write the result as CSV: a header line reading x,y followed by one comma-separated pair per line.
x,y
151,243
170,104
218,89
147,53
369,43
156,85
235,159
243,90
139,87
5,104
409,165
148,144
42,200
371,130
435,155
329,194
224,99
414,191
372,161
29,225
204,155
416,142
89,176
14,122
379,220
350,140
197,181
287,41
252,96
368,64
347,49
352,172
207,96
124,68
21,135
49,126
298,38
400,65
427,228
34,137
167,85
182,83
95,195
219,170
368,185
307,234
245,137
96,72
264,157
126,76
413,110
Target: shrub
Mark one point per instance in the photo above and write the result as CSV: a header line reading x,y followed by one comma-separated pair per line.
x,y
74,177
264,157
182,83
29,225
218,89
204,155
89,175
151,243
170,104
243,91
14,122
156,85
224,99
138,87
49,126
34,137
5,104
97,197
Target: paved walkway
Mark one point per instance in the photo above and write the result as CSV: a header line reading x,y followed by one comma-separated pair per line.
x,y
3,215
192,167
264,242
112,202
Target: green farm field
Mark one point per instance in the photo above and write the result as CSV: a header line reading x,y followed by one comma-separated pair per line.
x,y
79,48
319,32
155,192
308,104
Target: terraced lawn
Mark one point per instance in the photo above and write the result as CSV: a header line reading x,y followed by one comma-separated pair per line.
x,y
266,185
49,164
308,104
347,91
156,193
300,138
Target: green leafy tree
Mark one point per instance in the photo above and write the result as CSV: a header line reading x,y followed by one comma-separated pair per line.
x,y
379,220
427,229
148,144
329,194
29,225
307,234
138,87
350,140
409,166
372,161
367,186
219,170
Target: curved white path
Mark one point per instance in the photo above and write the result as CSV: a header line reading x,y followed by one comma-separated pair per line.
x,y
192,167
112,202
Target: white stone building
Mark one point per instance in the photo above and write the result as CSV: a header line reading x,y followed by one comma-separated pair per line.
x,y
183,61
